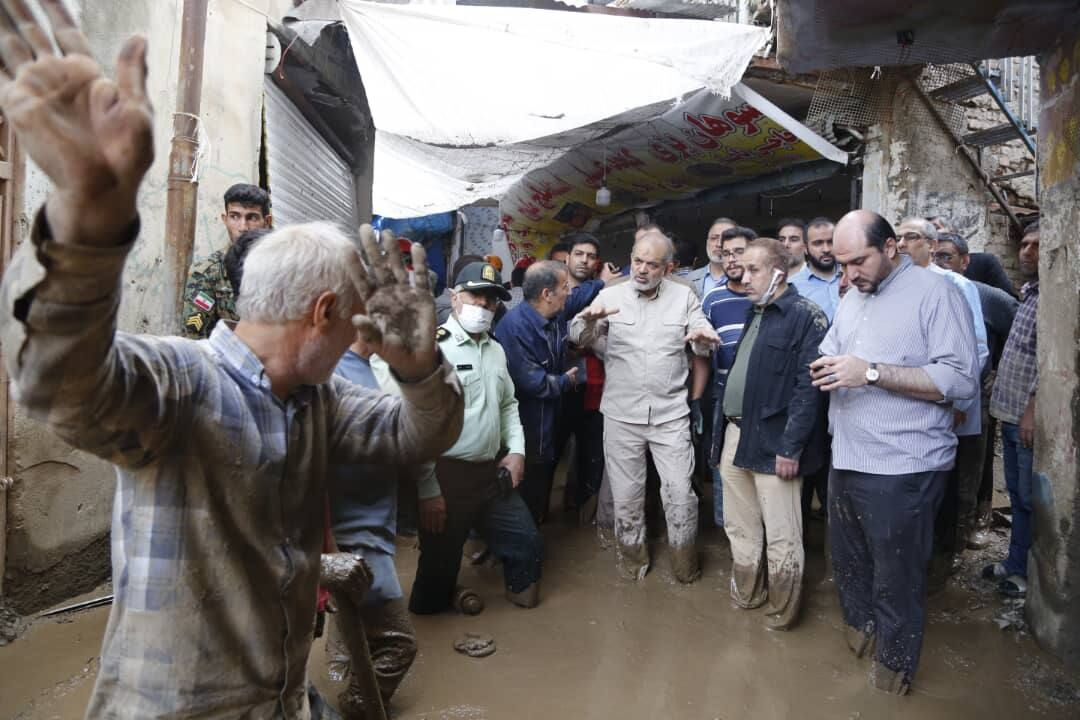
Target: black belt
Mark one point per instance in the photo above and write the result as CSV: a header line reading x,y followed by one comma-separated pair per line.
x,y
736,421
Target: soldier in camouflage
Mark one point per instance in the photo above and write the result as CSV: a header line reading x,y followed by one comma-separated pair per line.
x,y
208,295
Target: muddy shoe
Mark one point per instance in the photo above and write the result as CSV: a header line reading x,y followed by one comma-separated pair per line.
x,y
527,598
886,680
979,540
475,645
684,563
860,642
467,601
606,536
632,561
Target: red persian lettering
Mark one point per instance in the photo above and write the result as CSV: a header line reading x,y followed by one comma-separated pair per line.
x,y
745,117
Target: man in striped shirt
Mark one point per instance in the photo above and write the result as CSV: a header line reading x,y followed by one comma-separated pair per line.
x,y
725,306
901,352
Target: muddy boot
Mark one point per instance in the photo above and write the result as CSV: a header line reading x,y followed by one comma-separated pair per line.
x,y
467,601
631,561
605,536
527,598
886,680
860,642
684,563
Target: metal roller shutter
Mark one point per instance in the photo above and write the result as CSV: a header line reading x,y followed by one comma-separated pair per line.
x,y
308,180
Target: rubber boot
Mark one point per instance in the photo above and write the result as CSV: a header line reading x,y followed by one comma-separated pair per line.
x,y
527,598
467,601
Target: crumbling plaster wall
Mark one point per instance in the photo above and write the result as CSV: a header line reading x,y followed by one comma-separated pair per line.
x,y
60,505
1053,607
911,167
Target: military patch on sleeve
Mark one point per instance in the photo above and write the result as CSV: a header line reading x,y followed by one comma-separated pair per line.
x,y
195,322
203,301
441,334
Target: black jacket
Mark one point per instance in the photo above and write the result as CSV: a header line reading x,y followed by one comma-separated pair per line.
x,y
783,413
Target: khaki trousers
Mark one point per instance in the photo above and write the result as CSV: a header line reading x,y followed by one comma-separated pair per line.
x,y
625,445
763,517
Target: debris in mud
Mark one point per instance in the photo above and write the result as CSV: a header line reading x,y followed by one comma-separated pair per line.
x,y
1011,616
475,645
1047,683
12,624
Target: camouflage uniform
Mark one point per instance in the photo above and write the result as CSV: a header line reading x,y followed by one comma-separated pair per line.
x,y
208,297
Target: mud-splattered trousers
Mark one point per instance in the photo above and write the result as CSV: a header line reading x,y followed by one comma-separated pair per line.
x,y
473,500
624,456
763,516
882,530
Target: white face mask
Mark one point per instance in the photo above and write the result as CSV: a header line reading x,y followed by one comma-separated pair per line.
x,y
475,319
777,276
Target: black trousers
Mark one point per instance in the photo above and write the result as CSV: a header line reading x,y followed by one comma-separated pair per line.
x,y
473,500
586,470
881,528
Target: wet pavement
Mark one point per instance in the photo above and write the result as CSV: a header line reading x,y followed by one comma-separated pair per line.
x,y
601,647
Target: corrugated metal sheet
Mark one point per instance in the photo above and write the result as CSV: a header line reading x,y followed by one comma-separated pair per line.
x,y
308,180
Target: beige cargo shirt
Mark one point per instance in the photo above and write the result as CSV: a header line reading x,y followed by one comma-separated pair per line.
x,y
645,363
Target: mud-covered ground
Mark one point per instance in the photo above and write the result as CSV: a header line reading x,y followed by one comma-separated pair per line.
x,y
599,647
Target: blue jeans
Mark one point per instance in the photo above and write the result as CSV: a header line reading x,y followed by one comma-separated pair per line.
x,y
474,501
1018,462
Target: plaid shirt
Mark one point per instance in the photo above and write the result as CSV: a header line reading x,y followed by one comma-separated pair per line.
x,y
1018,371
218,514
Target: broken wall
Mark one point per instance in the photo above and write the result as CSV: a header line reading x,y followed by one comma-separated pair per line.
x,y
1053,606
60,505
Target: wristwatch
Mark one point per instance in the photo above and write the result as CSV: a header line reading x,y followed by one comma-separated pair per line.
x,y
872,374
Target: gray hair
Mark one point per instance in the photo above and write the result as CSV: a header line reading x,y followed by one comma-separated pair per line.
x,y
541,276
925,227
656,235
287,270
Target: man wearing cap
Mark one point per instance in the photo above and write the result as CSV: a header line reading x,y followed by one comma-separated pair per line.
x,y
475,488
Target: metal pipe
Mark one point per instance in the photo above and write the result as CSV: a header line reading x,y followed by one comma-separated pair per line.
x,y
182,197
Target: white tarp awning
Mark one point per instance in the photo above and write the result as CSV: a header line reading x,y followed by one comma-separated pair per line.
x,y
467,99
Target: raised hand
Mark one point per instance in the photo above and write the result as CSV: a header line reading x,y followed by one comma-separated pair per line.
x,y
399,319
91,136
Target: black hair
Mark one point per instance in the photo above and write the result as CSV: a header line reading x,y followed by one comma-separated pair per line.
x,y
878,231
579,238
820,221
248,196
685,253
794,222
234,256
1032,227
517,276
558,247
743,232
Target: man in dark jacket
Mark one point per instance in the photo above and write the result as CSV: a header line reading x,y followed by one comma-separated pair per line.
x,y
533,335
770,395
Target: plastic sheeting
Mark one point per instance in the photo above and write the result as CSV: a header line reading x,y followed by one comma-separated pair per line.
x,y
467,100
475,76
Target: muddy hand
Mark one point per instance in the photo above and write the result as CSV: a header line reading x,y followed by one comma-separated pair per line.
x,y
345,573
90,135
399,319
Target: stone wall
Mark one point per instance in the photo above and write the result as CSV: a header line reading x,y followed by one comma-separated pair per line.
x,y
1053,607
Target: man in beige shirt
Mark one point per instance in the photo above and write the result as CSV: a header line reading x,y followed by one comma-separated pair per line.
x,y
647,323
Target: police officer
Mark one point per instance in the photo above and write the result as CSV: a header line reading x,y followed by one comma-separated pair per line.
x,y
208,296
476,489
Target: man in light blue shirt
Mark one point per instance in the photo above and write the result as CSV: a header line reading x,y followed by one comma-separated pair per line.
x,y
918,238
819,279
711,275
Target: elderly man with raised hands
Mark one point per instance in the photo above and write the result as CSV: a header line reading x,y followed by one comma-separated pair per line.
x,y
648,322
222,446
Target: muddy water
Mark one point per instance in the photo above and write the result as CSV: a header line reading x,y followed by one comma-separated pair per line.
x,y
600,647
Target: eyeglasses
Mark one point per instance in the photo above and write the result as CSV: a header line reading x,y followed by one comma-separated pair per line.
x,y
912,236
944,256
728,254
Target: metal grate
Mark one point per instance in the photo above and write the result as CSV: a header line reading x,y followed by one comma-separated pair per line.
x,y
853,97
936,78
